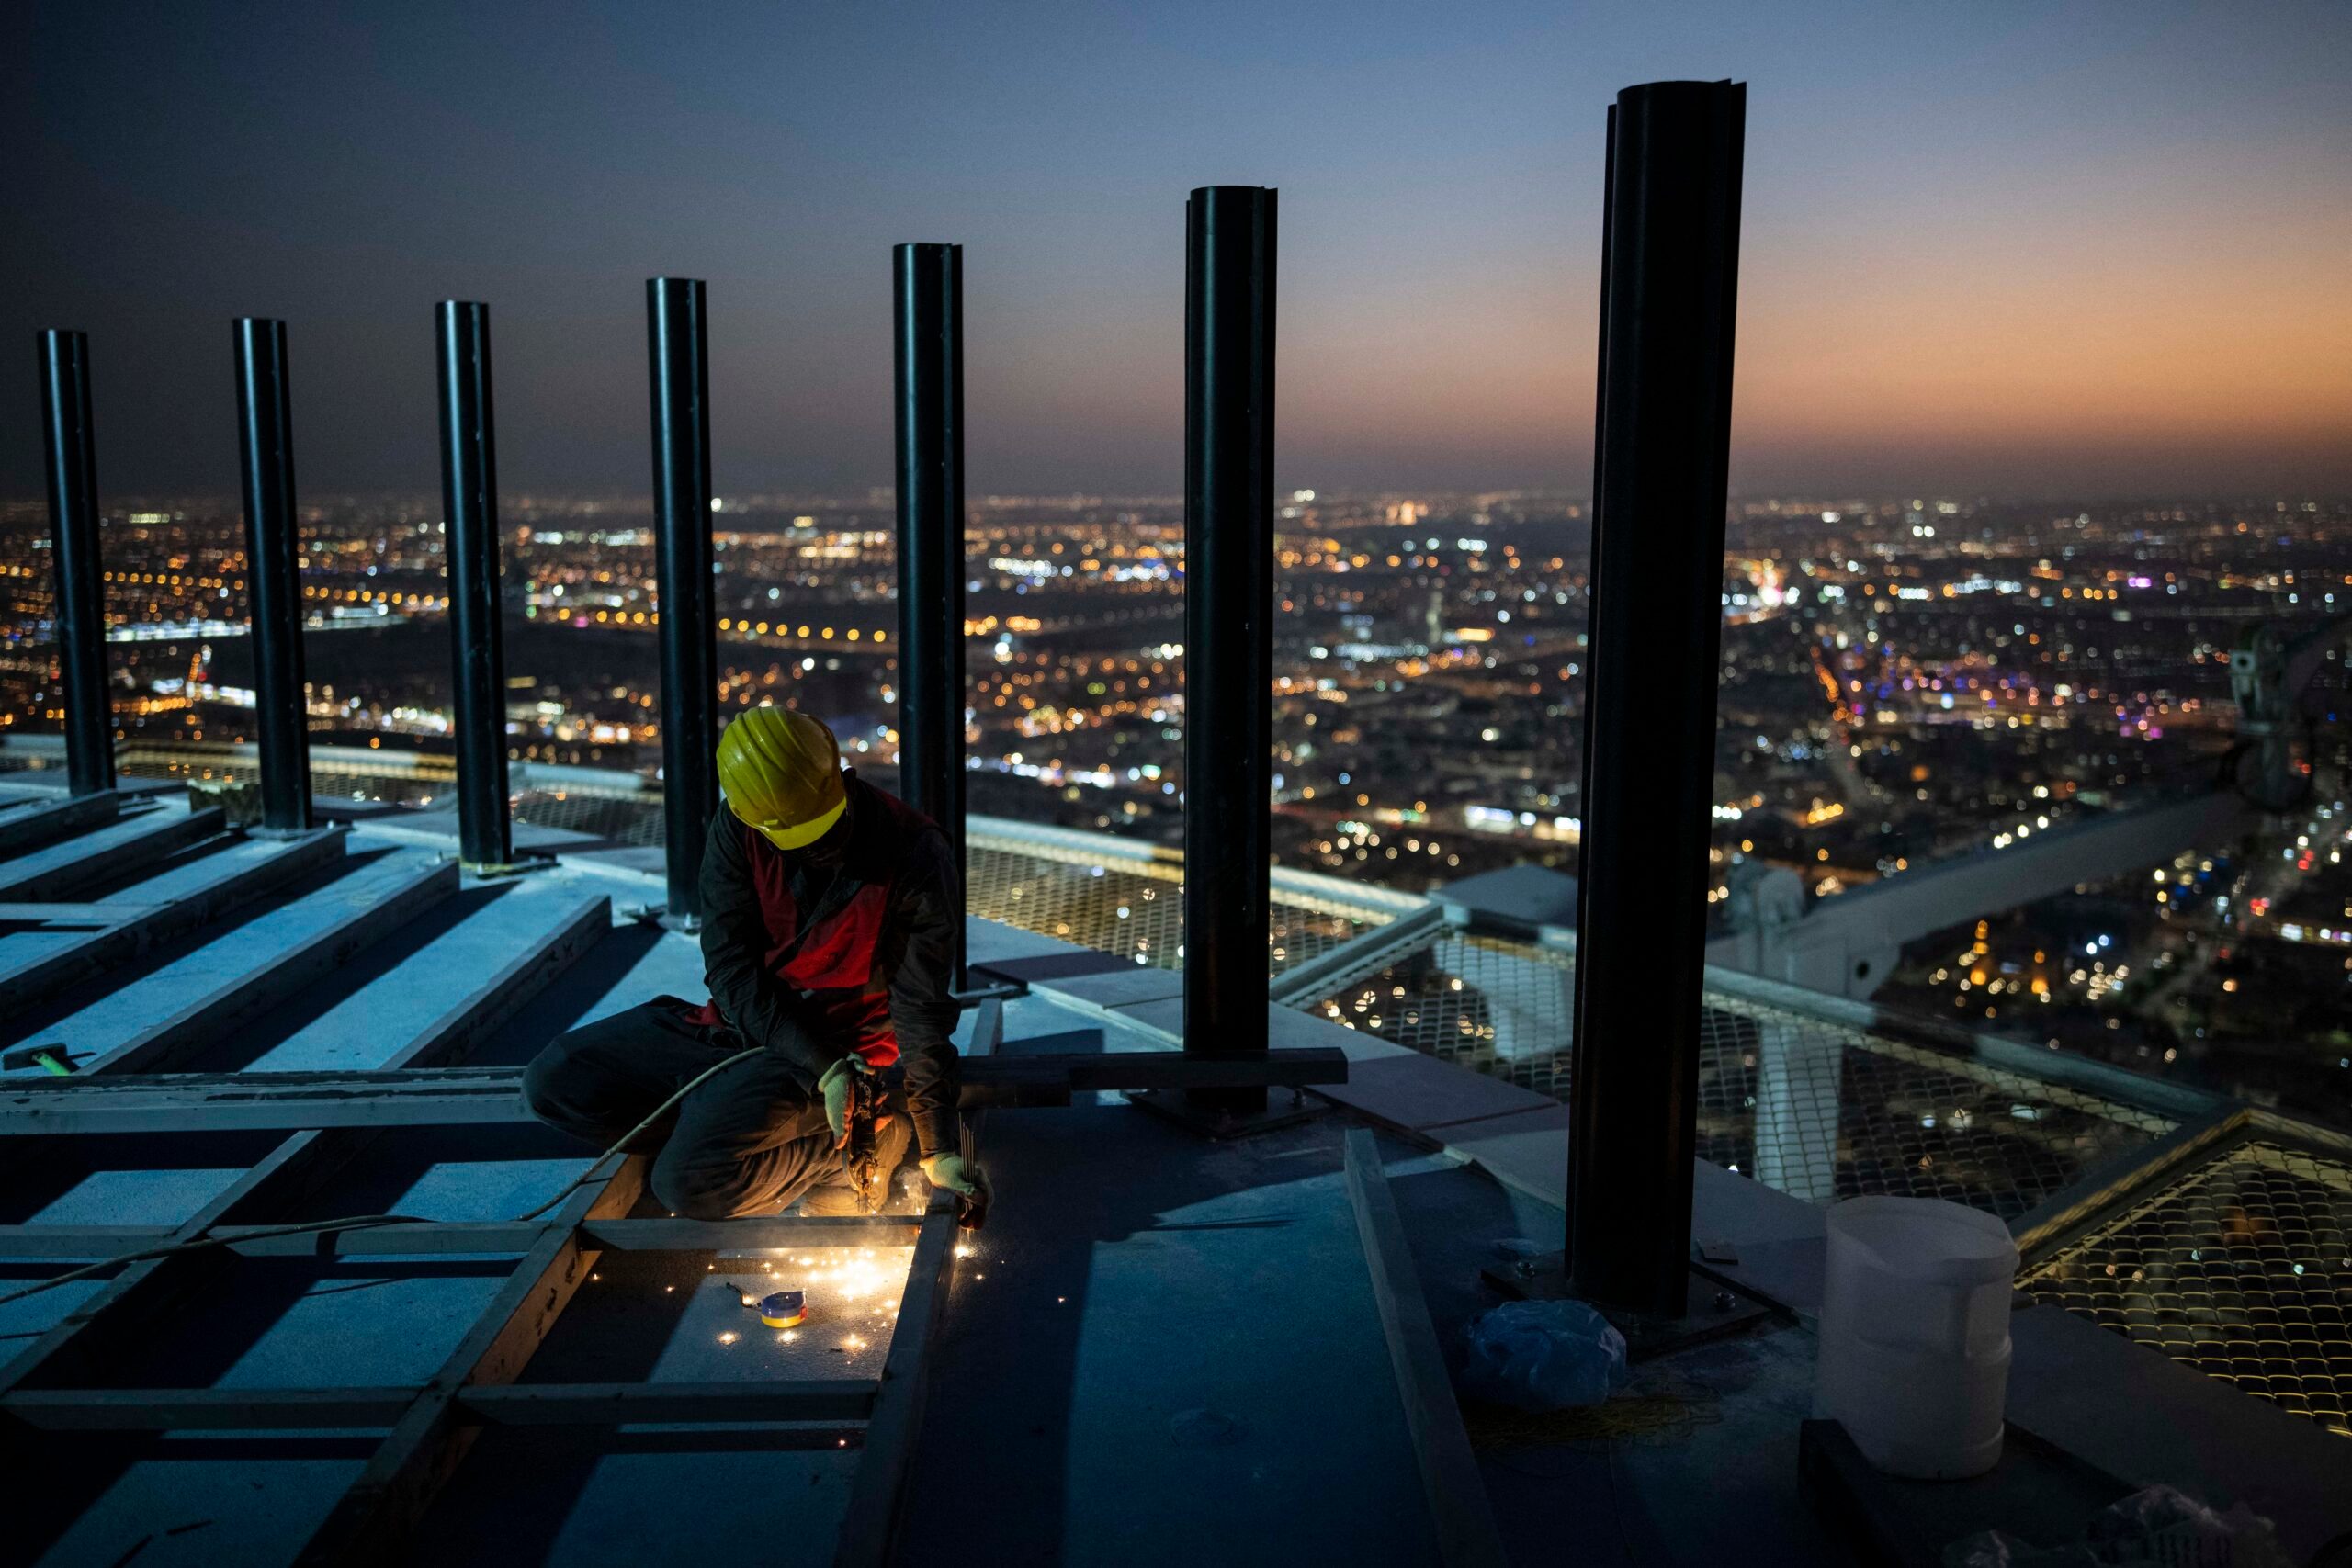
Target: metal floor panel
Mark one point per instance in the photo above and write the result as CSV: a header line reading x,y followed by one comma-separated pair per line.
x,y
1168,1352
411,977
161,824
195,1501
251,944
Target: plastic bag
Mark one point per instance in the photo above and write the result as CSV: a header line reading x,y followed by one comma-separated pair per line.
x,y
2157,1528
1542,1356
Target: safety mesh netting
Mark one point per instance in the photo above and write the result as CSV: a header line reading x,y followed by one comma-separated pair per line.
x,y
1818,1110
2241,1268
1131,909
622,815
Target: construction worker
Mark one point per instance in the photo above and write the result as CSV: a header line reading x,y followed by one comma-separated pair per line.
x,y
829,913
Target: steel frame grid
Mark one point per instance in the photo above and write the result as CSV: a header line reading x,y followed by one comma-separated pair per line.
x,y
427,1428
55,1383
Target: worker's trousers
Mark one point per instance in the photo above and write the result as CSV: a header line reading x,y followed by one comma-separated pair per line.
x,y
747,1141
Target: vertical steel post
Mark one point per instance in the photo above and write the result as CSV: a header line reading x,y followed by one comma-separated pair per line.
x,y
273,572
469,513
1228,624
927,291
678,349
78,612
1670,277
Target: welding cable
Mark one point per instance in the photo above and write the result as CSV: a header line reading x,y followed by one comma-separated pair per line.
x,y
226,1238
369,1222
630,1136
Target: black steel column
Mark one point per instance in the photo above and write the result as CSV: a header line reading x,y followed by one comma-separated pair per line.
x,y
1669,282
273,572
677,346
470,510
927,290
1229,623
78,617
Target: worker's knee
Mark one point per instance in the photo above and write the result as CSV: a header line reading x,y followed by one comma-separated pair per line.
x,y
544,1082
697,1191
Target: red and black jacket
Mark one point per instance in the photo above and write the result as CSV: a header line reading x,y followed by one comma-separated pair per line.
x,y
816,965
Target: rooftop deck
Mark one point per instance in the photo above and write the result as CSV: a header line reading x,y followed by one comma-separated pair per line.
x,y
1160,1348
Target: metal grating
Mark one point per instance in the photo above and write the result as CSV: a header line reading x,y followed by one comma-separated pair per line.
x,y
2241,1268
1818,1110
1133,908
631,819
420,787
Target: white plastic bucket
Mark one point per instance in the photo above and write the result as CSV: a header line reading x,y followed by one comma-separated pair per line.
x,y
1914,1334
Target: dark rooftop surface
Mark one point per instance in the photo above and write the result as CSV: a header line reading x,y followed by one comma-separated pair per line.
x,y
1160,1348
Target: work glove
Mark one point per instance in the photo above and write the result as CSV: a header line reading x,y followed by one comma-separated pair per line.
x,y
954,1172
834,1085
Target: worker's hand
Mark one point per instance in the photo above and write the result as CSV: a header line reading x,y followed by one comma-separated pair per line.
x,y
954,1172
834,1085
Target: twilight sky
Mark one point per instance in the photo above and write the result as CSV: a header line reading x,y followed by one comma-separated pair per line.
x,y
2024,249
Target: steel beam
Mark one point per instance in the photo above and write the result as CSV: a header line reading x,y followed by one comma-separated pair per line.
x,y
1229,234
619,1403
496,1238
470,510
1459,1514
273,572
679,351
1669,280
69,449
287,973
879,1489
148,924
927,291
149,839
31,824
1327,972
509,1405
473,1018
427,1097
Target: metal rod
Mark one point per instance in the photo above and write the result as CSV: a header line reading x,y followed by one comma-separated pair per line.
x,y
273,572
927,290
1670,249
79,616
678,349
469,508
1229,623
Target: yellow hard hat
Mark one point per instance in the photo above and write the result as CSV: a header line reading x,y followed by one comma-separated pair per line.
x,y
781,773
